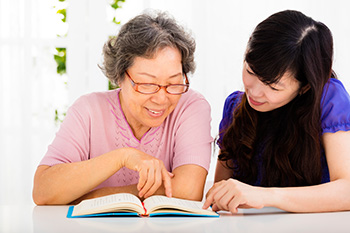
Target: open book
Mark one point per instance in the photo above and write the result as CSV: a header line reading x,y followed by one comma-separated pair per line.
x,y
126,204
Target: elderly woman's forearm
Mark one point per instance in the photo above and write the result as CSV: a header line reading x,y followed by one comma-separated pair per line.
x,y
64,183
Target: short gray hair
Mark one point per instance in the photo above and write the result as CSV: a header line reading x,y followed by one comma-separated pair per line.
x,y
143,36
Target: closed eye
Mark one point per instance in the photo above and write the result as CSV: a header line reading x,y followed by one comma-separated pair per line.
x,y
273,88
250,72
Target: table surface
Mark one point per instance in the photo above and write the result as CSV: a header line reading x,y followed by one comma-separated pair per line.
x,y
31,218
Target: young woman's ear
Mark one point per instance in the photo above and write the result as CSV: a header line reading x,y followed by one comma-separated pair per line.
x,y
304,89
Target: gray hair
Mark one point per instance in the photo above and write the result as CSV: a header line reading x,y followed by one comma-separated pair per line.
x,y
143,36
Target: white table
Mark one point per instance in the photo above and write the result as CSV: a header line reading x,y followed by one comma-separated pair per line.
x,y
31,218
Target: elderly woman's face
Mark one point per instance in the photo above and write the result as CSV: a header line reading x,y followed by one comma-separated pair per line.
x,y
143,111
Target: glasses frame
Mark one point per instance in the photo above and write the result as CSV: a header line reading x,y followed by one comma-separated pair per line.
x,y
135,85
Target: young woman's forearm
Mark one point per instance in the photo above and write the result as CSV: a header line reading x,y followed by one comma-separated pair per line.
x,y
332,196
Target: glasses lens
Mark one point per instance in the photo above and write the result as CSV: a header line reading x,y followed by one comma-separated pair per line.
x,y
148,88
177,89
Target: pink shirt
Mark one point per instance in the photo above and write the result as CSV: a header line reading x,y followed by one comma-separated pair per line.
x,y
95,124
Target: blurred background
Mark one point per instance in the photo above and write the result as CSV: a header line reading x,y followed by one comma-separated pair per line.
x,y
49,51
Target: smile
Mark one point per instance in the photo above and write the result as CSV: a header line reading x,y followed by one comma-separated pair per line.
x,y
155,113
255,102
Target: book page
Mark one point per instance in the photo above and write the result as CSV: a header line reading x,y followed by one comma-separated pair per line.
x,y
120,201
165,204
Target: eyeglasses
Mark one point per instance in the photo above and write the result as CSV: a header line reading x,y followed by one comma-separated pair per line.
x,y
151,88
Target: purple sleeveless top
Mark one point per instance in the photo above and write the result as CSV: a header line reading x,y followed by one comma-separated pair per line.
x,y
335,116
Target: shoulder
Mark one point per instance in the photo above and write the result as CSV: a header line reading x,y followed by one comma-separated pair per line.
x,y
191,96
96,97
232,101
335,107
334,91
192,108
192,100
96,100
92,106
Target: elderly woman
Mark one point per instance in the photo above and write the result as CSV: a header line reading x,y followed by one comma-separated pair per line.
x,y
150,136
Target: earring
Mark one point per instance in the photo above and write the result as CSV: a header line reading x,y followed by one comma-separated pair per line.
x,y
304,89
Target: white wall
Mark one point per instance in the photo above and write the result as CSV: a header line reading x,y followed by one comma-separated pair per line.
x,y
30,90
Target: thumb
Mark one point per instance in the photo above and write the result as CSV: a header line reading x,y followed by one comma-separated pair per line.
x,y
167,182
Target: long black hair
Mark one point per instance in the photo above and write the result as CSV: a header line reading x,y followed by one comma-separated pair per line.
x,y
290,135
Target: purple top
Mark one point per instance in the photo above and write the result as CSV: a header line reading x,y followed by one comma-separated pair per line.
x,y
335,116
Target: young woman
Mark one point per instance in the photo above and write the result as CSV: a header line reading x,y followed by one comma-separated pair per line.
x,y
285,141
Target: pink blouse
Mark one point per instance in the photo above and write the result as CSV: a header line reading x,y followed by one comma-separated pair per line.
x,y
95,124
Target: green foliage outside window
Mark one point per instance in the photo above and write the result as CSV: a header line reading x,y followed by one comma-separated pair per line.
x,y
60,55
115,4
63,12
60,59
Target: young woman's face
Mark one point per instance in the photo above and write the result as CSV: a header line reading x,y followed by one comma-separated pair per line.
x,y
150,110
264,98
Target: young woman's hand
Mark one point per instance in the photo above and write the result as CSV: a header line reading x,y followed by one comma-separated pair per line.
x,y
152,172
229,195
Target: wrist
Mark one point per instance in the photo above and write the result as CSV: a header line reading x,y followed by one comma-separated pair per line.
x,y
121,155
270,197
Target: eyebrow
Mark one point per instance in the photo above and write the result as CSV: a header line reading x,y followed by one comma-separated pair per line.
x,y
276,84
153,76
280,84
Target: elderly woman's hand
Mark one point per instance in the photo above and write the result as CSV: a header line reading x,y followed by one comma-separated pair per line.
x,y
152,172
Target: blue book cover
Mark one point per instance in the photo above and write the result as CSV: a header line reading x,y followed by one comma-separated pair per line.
x,y
108,214
128,205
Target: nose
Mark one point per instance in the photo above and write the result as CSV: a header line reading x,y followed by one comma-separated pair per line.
x,y
255,86
160,97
